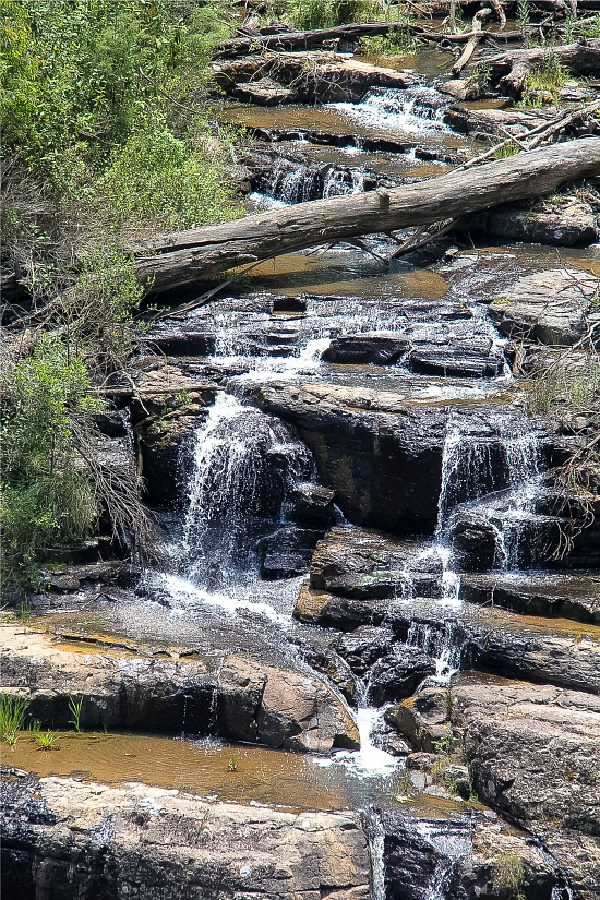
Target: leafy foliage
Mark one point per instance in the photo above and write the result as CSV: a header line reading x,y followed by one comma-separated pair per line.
x,y
44,496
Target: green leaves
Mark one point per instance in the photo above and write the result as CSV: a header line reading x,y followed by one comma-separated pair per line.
x,y
44,495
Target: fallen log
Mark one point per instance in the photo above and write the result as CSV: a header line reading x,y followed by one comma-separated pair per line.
x,y
345,34
476,31
201,253
509,70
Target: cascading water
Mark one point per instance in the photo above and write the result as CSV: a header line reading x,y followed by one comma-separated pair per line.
x,y
414,109
303,183
243,465
442,644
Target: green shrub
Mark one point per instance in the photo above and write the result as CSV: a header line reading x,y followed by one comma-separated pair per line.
x,y
511,876
44,495
159,179
311,14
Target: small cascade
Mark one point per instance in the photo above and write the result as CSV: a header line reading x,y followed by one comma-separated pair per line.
x,y
337,182
414,109
444,643
243,465
478,463
303,183
376,834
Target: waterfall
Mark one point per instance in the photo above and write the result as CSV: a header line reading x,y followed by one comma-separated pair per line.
x,y
376,835
444,644
302,183
476,464
413,109
243,464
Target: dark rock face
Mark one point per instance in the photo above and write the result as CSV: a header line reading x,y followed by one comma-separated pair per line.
x,y
361,564
525,534
532,751
398,675
567,224
452,356
459,860
288,551
72,841
311,504
378,349
161,440
396,451
569,596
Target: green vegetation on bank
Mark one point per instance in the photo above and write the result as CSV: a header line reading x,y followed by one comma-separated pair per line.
x,y
107,136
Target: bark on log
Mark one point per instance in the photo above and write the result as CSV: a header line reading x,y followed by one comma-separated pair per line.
x,y
351,34
509,70
203,253
476,31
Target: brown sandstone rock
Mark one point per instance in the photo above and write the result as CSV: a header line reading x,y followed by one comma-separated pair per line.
x,y
63,837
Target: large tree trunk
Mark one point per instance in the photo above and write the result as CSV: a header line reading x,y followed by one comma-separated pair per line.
x,y
349,34
509,70
201,253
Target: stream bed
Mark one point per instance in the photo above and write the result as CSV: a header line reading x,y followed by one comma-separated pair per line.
x,y
354,506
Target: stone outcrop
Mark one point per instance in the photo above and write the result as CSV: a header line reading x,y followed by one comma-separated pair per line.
x,y
566,222
451,356
533,754
551,307
243,699
570,596
77,841
276,79
382,457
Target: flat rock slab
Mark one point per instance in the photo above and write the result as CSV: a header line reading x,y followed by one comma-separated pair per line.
x,y
317,76
569,596
239,698
548,307
553,651
89,840
534,753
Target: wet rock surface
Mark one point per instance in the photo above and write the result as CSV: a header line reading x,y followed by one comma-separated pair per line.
x,y
239,698
77,840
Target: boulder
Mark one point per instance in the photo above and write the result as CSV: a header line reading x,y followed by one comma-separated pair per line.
x,y
364,564
311,505
533,755
64,838
550,307
273,79
422,718
398,675
243,700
